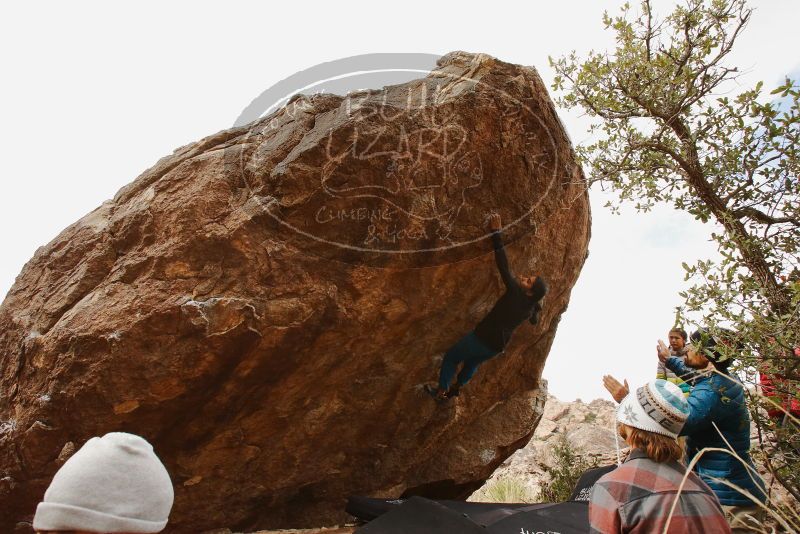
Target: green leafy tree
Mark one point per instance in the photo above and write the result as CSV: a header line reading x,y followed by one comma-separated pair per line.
x,y
663,131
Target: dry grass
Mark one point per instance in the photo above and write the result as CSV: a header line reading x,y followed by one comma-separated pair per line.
x,y
778,514
506,490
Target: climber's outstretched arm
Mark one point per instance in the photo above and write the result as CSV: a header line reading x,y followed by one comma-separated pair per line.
x,y
500,253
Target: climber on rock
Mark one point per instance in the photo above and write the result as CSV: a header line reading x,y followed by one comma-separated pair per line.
x,y
520,302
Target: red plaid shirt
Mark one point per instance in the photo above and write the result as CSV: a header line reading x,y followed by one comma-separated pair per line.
x,y
638,495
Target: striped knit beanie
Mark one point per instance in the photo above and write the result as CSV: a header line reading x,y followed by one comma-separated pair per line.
x,y
659,406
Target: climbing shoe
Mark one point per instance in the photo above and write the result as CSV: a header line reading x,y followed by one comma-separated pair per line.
x,y
454,391
433,391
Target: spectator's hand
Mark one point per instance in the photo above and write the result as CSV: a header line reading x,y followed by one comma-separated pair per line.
x,y
663,351
494,222
617,390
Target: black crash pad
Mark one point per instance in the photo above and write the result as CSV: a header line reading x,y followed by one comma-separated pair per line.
x,y
418,515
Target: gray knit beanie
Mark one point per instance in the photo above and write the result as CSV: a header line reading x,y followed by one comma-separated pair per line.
x,y
112,484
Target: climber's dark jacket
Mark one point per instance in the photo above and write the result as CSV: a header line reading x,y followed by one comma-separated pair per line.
x,y
514,307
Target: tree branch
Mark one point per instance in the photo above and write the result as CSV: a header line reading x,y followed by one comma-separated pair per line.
x,y
760,216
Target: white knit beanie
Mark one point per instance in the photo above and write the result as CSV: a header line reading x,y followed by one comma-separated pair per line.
x,y
112,484
659,406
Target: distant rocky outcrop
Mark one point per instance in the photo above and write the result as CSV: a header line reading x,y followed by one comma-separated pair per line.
x,y
265,304
589,429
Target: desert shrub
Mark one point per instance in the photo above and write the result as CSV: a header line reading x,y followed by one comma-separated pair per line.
x,y
564,474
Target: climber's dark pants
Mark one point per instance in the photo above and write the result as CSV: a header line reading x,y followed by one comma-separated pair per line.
x,y
468,350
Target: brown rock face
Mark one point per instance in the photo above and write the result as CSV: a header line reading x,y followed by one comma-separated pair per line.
x,y
265,304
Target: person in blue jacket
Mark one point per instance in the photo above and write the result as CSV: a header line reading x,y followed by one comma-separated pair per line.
x,y
518,304
718,417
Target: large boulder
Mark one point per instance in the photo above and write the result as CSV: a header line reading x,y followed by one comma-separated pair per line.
x,y
265,304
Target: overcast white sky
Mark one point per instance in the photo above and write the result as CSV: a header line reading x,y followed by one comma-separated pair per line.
x,y
94,93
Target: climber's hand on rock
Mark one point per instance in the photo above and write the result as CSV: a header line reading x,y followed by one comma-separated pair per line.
x,y
494,222
618,391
